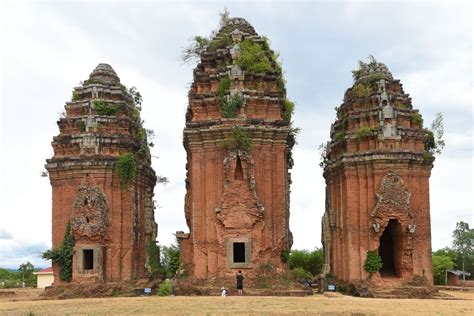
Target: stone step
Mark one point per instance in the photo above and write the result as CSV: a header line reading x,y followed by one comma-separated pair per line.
x,y
392,296
455,288
248,292
404,292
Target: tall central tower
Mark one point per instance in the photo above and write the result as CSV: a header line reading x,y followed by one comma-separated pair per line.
x,y
238,141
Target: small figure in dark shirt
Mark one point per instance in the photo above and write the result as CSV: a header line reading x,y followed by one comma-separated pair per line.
x,y
240,282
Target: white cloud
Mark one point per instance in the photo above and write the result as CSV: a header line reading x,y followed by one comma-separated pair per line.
x,y
16,252
51,47
455,93
5,234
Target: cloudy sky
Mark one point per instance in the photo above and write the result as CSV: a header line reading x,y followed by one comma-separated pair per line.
x,y
48,47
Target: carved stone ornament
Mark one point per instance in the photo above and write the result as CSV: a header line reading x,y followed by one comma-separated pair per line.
x,y
89,215
237,35
95,93
239,206
376,227
393,194
235,72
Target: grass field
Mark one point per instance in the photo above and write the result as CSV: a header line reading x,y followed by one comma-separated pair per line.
x,y
318,304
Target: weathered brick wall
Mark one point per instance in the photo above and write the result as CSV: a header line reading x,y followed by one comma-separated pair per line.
x,y
220,207
116,223
377,170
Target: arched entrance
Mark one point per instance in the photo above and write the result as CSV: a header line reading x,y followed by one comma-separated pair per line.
x,y
391,249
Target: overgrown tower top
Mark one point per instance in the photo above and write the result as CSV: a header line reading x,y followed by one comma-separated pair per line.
x,y
238,139
102,121
238,77
376,121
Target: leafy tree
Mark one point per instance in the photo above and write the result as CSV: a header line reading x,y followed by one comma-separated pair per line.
x,y
26,270
5,274
373,263
441,263
434,142
154,259
11,279
463,243
447,252
285,255
136,95
170,259
311,262
300,273
315,261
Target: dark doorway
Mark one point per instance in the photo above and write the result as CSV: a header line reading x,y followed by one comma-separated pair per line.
x,y
390,249
239,252
88,259
239,173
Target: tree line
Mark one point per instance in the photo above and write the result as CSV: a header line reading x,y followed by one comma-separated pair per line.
x,y
301,263
308,264
12,278
460,256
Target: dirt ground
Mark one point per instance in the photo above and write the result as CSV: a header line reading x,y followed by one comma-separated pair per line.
x,y
15,295
23,303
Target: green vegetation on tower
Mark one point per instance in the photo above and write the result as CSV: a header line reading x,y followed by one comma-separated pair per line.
x,y
252,57
125,167
104,108
63,254
364,131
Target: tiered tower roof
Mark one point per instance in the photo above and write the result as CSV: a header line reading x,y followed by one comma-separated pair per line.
x,y
238,78
376,121
104,73
101,123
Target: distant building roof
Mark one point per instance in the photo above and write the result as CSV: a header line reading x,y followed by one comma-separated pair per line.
x,y
44,271
459,272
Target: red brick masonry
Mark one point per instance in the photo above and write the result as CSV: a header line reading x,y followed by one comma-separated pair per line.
x,y
112,226
377,182
235,197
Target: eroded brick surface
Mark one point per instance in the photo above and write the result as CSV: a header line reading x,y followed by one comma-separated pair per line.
x,y
235,195
377,180
114,224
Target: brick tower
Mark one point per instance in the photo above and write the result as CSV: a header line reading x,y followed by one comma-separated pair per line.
x,y
238,141
377,171
102,182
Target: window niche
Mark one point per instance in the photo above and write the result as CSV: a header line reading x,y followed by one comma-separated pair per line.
x,y
239,172
88,258
239,252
